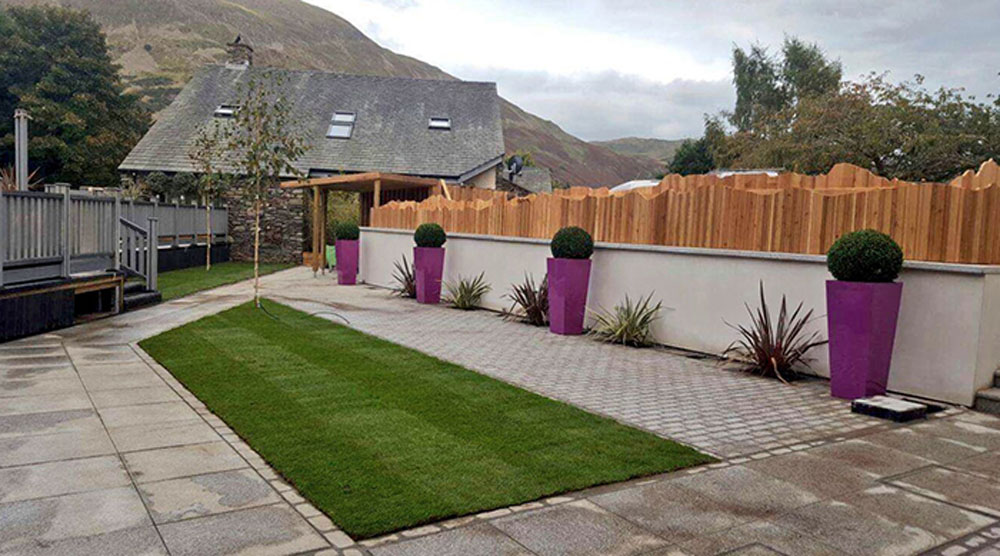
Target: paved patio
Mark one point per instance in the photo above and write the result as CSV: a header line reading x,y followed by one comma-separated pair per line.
x,y
103,452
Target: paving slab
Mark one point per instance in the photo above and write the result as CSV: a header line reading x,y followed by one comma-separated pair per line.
x,y
821,476
260,531
136,541
212,493
31,372
747,493
33,387
22,450
973,434
961,489
878,460
908,508
169,463
759,538
61,477
135,438
73,420
579,527
133,396
985,465
481,539
27,524
145,414
98,382
44,403
927,446
856,531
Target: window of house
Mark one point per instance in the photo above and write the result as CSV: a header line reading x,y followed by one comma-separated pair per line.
x,y
341,125
440,123
225,111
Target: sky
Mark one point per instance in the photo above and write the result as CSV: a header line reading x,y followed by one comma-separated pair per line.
x,y
609,69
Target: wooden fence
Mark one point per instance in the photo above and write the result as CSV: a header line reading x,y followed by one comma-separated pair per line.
x,y
792,213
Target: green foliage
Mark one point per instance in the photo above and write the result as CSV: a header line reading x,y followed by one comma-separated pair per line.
x,y
186,281
347,230
773,347
54,62
526,157
332,409
158,184
429,235
628,323
865,256
572,242
184,184
692,157
466,293
406,281
529,303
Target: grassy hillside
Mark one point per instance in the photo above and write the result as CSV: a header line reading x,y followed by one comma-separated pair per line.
x,y
160,43
661,150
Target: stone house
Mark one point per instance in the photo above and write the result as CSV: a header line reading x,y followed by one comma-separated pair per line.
x,y
439,129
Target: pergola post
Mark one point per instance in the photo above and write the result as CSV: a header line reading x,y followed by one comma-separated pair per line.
x,y
324,196
377,198
315,230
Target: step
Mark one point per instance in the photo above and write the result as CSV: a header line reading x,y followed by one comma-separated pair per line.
x,y
996,378
142,298
134,287
988,401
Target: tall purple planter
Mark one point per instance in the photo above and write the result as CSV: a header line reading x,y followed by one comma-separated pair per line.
x,y
428,266
568,281
861,317
347,261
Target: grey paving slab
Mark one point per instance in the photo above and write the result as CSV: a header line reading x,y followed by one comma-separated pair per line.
x,y
212,493
144,414
61,477
136,541
820,476
33,387
907,508
133,396
260,531
477,540
31,372
879,460
73,420
98,382
134,438
579,527
962,489
930,447
45,403
27,524
985,465
759,538
972,434
747,493
168,463
856,531
21,450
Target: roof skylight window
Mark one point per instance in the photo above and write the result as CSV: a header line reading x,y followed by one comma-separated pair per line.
x,y
225,111
440,123
341,125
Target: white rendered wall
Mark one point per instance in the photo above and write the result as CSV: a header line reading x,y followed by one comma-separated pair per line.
x,y
947,342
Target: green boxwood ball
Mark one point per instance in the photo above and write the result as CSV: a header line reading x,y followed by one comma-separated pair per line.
x,y
865,256
347,230
572,243
429,235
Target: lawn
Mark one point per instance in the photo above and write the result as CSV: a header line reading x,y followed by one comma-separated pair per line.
x,y
382,437
186,281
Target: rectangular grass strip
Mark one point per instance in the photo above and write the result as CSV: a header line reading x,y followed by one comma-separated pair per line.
x,y
186,281
382,437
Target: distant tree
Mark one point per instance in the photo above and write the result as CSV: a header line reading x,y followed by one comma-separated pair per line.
x,y
159,184
183,186
54,63
692,157
263,143
208,154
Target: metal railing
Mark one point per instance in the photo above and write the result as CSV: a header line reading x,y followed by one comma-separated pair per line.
x,y
48,235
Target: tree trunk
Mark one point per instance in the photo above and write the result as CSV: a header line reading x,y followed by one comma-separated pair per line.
x,y
256,252
208,234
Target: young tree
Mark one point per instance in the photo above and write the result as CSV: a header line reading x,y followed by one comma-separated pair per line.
x,y
264,142
207,153
692,157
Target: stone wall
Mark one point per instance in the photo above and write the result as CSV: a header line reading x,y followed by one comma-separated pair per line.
x,y
282,225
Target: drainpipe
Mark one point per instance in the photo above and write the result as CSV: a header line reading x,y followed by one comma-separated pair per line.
x,y
21,118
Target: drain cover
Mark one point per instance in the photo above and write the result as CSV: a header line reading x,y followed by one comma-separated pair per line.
x,y
885,407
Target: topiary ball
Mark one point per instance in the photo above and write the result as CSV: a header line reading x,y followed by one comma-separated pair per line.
x,y
865,256
429,235
572,243
346,230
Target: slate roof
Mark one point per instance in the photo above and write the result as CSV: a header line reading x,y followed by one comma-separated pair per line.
x,y
535,179
390,134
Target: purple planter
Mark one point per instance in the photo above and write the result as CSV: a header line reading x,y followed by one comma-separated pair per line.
x,y
568,280
428,265
861,317
347,261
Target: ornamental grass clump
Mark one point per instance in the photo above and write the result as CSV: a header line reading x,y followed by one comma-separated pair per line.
x,y
572,242
466,293
347,231
529,303
406,281
429,235
628,323
865,256
773,347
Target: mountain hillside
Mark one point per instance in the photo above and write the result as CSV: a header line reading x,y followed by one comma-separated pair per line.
x,y
159,43
661,150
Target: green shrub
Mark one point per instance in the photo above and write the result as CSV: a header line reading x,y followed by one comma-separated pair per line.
x,y
346,230
429,235
572,243
405,279
529,303
467,292
628,323
865,256
773,347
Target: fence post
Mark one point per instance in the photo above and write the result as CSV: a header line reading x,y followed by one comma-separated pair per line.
x,y
153,262
4,240
65,245
177,209
117,242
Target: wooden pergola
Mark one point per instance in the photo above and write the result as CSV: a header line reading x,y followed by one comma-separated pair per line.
x,y
367,182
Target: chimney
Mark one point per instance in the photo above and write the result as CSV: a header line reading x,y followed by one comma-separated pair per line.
x,y
240,55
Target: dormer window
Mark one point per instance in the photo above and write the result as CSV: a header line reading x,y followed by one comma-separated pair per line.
x,y
225,111
341,125
440,123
